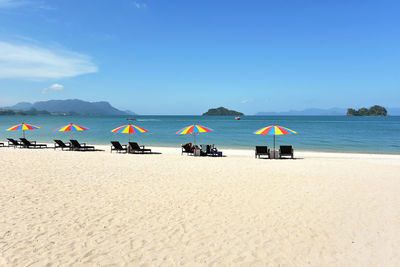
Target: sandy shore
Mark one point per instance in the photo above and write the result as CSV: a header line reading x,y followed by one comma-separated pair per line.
x,y
98,208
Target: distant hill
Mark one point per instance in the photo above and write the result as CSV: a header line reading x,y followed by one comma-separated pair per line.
x,y
221,111
308,112
372,111
71,106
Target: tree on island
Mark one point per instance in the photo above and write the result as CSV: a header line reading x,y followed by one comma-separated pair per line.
x,y
221,111
372,111
32,112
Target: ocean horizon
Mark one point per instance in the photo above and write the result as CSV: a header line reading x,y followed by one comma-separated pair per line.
x,y
315,133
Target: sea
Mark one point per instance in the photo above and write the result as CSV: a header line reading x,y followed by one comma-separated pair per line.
x,y
315,133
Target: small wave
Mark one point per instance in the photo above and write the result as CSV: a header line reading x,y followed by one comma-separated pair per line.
x,y
148,120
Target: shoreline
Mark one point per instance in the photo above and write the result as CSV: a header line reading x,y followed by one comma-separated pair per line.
x,y
247,152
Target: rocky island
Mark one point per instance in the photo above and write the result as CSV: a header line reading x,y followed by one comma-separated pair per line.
x,y
221,111
372,111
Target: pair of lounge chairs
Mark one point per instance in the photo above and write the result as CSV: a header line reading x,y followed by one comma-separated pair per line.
x,y
132,148
24,143
73,145
206,150
284,151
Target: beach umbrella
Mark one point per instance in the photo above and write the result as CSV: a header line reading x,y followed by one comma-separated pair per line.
x,y
70,128
275,130
195,130
24,127
129,129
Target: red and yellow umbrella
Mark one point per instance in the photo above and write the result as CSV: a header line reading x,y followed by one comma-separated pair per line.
x,y
275,130
23,127
194,129
129,129
70,128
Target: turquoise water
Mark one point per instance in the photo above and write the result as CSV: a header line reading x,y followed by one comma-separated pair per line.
x,y
318,133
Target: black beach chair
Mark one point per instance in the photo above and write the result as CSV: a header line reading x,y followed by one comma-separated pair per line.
x,y
14,143
213,151
285,151
262,151
134,147
187,148
62,145
31,144
116,146
1,144
205,149
75,145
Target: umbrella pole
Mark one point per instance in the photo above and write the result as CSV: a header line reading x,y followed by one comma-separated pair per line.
x,y
274,148
23,131
195,139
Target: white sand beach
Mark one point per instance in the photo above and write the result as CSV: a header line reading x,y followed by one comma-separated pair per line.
x,y
64,208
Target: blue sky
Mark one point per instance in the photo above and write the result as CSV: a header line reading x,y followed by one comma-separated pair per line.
x,y
183,57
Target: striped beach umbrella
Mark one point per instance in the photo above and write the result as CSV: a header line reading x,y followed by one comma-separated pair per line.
x,y
23,127
194,129
129,129
70,128
275,130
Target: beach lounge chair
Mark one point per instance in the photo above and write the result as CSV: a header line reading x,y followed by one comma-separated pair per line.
x,y
213,151
187,148
262,151
116,146
31,144
286,151
75,145
14,143
62,145
204,151
134,147
1,144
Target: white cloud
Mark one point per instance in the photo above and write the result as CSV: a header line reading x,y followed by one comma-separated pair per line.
x,y
244,101
139,5
27,61
53,87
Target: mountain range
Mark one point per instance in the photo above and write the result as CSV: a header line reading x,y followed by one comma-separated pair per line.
x,y
71,106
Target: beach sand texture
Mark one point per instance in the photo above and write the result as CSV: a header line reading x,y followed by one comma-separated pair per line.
x,y
87,209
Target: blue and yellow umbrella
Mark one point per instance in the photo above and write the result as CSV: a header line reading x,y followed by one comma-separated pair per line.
x,y
70,128
129,129
23,127
275,130
194,129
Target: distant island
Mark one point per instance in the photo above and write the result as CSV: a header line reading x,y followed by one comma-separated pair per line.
x,y
221,111
64,107
372,111
319,112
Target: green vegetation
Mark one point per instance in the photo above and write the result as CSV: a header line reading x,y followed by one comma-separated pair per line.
x,y
31,112
372,111
221,111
